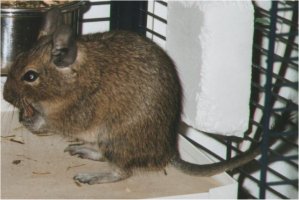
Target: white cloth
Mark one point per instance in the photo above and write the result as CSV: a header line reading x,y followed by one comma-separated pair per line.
x,y
211,44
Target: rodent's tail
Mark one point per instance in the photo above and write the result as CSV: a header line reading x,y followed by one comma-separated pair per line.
x,y
280,124
215,168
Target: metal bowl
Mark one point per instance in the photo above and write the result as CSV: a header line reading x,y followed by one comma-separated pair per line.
x,y
20,28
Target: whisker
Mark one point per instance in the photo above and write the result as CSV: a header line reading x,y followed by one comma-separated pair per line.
x,y
22,104
27,108
25,105
12,115
6,125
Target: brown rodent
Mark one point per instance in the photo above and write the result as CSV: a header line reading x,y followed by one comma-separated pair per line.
x,y
116,91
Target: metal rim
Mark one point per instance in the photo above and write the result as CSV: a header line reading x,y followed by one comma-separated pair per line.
x,y
67,7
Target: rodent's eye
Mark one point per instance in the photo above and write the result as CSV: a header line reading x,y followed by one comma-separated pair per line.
x,y
30,76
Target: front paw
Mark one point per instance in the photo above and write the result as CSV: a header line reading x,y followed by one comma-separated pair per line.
x,y
78,150
84,152
86,178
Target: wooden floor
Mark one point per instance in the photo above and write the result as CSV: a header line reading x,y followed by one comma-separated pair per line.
x,y
36,167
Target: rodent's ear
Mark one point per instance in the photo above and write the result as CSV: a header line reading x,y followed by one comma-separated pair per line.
x,y
64,50
51,22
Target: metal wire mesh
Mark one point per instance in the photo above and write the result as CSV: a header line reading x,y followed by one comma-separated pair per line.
x,y
271,99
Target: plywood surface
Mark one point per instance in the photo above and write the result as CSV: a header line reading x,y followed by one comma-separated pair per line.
x,y
36,167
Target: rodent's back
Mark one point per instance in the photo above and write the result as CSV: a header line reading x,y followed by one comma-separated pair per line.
x,y
141,91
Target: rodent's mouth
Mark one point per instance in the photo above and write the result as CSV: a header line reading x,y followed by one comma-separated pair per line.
x,y
27,111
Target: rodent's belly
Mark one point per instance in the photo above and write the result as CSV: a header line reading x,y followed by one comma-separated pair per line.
x,y
36,124
39,124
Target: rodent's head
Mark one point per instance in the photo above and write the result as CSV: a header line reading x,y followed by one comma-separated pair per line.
x,y
47,72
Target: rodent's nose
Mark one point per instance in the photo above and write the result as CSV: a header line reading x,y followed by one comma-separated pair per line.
x,y
9,93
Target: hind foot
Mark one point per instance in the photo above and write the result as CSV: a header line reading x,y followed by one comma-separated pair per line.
x,y
99,178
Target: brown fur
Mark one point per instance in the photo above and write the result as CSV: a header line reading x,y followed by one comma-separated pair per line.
x,y
122,89
117,91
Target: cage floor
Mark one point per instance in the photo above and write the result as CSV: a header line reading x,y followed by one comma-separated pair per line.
x,y
36,167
